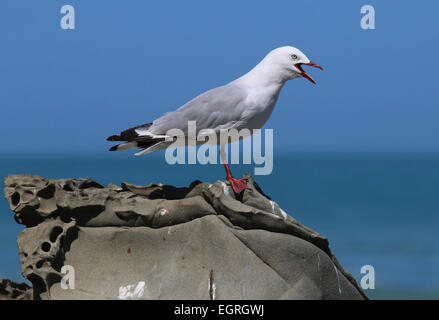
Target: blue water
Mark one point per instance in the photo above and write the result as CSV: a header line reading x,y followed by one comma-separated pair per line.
x,y
376,209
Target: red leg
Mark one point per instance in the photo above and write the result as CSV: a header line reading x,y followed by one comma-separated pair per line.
x,y
238,185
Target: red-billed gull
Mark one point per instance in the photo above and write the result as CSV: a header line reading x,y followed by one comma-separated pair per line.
x,y
245,103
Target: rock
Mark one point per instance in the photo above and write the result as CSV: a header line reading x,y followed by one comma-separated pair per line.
x,y
10,290
164,242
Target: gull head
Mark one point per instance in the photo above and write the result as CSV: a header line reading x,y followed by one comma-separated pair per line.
x,y
287,62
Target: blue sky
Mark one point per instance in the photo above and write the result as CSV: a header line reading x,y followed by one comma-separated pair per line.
x,y
128,62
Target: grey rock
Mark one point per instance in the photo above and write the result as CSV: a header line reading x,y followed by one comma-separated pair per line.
x,y
164,242
42,249
10,290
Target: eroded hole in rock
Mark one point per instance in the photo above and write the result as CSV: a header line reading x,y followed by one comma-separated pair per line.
x,y
39,264
64,217
90,183
47,192
71,235
38,286
55,233
67,187
15,198
45,246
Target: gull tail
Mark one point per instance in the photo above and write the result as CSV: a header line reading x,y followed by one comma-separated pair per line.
x,y
133,140
129,134
133,145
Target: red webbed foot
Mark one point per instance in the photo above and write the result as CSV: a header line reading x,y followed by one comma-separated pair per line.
x,y
238,185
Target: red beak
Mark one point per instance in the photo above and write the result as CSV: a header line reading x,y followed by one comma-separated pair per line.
x,y
304,74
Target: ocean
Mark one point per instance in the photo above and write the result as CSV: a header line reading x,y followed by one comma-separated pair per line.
x,y
376,209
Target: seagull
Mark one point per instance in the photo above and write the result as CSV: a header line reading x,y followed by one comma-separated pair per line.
x,y
244,103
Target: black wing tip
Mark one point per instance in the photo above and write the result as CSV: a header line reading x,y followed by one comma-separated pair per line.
x,y
114,138
113,148
128,134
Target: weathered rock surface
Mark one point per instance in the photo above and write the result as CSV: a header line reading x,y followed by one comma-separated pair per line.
x,y
164,242
10,290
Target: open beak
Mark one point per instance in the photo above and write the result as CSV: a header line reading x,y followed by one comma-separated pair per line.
x,y
304,74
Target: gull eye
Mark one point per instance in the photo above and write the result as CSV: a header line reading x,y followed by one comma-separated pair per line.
x,y
294,56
